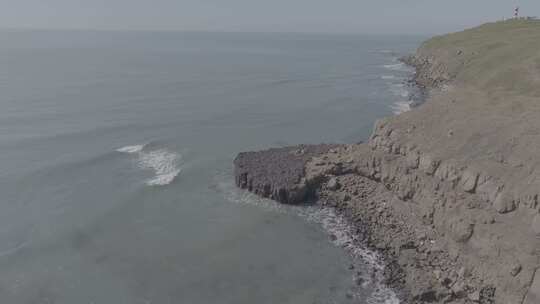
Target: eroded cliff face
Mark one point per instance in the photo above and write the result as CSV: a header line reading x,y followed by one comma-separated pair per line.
x,y
463,167
459,231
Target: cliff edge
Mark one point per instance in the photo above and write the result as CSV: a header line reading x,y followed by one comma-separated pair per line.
x,y
449,191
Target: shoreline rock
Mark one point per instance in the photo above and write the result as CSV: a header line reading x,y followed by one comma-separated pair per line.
x,y
278,173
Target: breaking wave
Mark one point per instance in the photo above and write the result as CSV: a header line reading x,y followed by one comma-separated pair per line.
x,y
164,163
398,88
401,107
131,149
345,236
397,67
341,232
404,102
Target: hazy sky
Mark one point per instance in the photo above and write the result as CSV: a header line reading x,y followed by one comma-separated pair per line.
x,y
349,16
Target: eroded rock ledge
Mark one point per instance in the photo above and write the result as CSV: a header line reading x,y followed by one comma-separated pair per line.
x,y
278,173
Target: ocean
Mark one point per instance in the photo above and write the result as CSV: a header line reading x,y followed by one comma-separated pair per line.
x,y
116,180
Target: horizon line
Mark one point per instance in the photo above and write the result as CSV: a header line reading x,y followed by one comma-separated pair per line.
x,y
112,30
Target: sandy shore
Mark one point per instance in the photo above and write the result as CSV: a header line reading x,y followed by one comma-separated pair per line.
x,y
448,192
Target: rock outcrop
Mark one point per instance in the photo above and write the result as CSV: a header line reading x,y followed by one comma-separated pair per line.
x,y
278,173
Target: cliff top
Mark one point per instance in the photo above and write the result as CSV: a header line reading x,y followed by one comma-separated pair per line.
x,y
487,114
495,56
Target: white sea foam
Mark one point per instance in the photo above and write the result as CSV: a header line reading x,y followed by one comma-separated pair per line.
x,y
225,185
397,86
343,235
13,250
131,149
400,67
401,107
395,67
164,163
399,90
404,103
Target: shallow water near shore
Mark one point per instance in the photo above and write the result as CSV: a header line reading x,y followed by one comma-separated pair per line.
x,y
116,160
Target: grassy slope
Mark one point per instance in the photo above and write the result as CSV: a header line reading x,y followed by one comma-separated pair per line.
x,y
495,56
489,117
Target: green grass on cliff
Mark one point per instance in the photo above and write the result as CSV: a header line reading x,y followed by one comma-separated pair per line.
x,y
495,56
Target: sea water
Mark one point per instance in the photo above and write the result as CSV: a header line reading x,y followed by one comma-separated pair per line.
x,y
116,180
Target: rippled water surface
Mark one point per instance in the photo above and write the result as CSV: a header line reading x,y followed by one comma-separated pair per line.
x,y
116,182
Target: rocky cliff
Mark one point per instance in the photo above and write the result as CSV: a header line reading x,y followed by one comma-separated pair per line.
x,y
448,191
278,173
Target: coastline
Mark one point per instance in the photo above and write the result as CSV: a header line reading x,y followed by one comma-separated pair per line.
x,y
290,183
439,191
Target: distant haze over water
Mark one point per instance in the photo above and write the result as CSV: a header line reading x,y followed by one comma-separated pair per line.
x,y
314,16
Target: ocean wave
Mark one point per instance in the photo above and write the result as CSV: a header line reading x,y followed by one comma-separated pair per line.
x,y
404,102
13,250
386,53
401,107
131,149
400,90
342,234
164,163
401,67
346,237
224,184
388,77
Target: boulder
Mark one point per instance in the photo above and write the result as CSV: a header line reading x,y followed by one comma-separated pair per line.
x,y
504,203
333,184
428,164
447,171
474,296
469,180
462,230
488,188
515,269
412,160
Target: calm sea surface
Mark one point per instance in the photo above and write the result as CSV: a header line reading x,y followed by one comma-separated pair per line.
x,y
116,164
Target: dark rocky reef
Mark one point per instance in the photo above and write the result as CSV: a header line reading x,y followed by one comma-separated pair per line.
x,y
278,173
